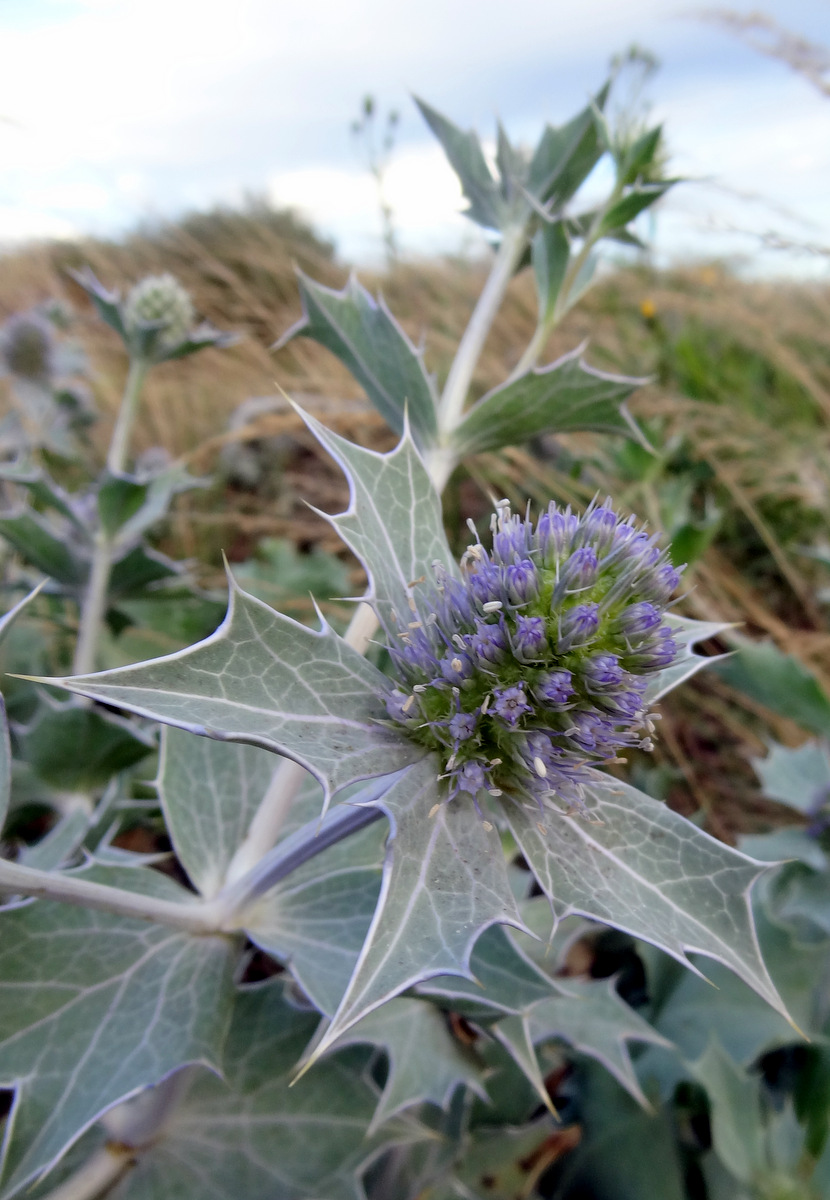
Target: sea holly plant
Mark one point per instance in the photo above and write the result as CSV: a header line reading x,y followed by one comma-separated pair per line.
x,y
368,827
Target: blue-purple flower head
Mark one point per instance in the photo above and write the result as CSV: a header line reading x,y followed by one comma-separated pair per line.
x,y
531,671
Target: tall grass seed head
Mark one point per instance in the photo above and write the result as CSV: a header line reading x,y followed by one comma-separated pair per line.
x,y
160,298
27,347
529,672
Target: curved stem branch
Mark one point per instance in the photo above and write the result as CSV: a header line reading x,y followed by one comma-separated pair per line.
x,y
120,444
306,843
94,605
193,917
100,1171
472,343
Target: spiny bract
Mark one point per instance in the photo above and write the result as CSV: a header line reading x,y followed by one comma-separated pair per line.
x,y
530,671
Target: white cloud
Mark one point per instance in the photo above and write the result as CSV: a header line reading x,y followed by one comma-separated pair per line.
x,y
126,108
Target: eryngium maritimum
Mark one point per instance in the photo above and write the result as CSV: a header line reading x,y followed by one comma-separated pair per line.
x,y
530,671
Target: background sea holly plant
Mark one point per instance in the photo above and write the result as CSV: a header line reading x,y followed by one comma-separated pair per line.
x,y
440,827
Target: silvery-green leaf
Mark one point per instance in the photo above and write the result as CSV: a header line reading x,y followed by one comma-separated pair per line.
x,y
564,397
316,918
41,544
503,980
264,679
128,505
393,522
43,489
550,252
444,882
800,899
426,1063
93,1007
58,846
202,338
139,568
624,1152
634,864
367,339
499,1162
685,632
780,682
107,303
735,1113
252,1134
5,763
565,157
784,844
798,778
209,792
75,748
632,204
590,1017
746,1027
465,156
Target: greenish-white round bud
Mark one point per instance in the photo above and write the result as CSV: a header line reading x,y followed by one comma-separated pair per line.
x,y
160,298
27,347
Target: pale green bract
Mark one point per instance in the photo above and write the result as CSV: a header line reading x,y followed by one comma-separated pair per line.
x,y
263,679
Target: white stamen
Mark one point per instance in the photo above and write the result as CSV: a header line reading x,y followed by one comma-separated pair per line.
x,y
419,687
414,625
412,604
540,768
492,606
434,810
495,762
459,641
488,828
541,829
456,664
407,704
486,703
495,791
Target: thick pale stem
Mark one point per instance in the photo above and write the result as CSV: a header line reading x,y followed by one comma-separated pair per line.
x,y
342,822
94,605
74,889
100,1171
120,444
472,343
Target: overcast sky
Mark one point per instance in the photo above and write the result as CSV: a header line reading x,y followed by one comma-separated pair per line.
x,y
112,111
